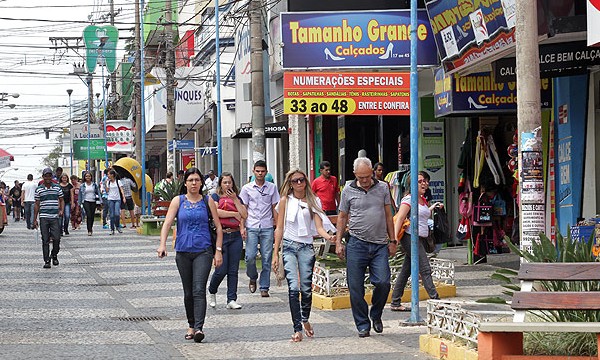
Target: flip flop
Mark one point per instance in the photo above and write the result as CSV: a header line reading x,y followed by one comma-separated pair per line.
x,y
189,336
297,337
308,330
400,308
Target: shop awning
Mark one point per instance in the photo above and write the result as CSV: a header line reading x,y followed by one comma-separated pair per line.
x,y
273,130
4,153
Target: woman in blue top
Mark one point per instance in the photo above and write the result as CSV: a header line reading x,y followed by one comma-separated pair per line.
x,y
193,247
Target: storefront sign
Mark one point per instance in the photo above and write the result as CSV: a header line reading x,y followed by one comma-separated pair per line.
x,y
273,130
466,34
368,93
119,136
434,161
354,39
556,60
80,131
479,93
593,22
80,149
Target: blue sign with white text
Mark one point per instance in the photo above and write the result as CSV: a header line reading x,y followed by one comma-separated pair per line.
x,y
354,39
182,145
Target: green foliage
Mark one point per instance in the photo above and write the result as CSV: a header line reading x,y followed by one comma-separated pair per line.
x,y
167,191
51,160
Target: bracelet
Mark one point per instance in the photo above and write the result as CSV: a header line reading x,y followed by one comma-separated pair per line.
x,y
219,249
395,242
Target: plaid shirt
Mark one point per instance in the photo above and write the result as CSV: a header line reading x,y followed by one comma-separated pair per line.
x,y
127,184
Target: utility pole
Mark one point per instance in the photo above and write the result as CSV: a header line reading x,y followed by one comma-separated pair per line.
x,y
115,108
532,209
170,72
258,93
137,87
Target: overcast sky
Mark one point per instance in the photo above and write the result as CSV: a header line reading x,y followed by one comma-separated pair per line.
x,y
31,67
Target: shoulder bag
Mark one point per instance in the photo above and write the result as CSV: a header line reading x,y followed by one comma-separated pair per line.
x,y
211,226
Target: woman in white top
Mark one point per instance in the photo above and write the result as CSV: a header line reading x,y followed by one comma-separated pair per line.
x,y
88,195
424,267
300,218
115,196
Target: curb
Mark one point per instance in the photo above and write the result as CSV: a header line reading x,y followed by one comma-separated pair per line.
x,y
445,349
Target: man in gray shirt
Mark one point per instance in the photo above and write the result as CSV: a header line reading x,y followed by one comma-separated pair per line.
x,y
365,207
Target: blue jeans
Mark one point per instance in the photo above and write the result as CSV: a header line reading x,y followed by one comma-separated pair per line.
x,y
232,253
359,255
194,269
424,271
104,210
66,218
50,228
29,213
114,208
265,237
298,263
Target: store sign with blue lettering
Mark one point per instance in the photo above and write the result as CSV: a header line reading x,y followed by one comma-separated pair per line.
x,y
354,39
478,93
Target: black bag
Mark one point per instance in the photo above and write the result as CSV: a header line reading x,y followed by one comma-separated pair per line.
x,y
441,226
428,243
211,226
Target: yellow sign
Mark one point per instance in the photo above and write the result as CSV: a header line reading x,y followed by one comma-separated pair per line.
x,y
325,106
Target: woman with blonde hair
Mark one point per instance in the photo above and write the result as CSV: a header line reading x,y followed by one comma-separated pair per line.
x,y
300,218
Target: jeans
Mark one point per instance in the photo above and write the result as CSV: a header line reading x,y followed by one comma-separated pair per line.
x,y
29,213
359,255
298,263
265,237
48,228
104,210
424,271
114,208
90,210
232,253
194,269
66,218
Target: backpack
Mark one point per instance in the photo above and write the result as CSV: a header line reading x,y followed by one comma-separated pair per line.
x,y
441,226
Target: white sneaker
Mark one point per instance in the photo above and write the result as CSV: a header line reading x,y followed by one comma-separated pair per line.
x,y
233,305
213,300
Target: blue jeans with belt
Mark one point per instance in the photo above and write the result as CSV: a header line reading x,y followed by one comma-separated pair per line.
x,y
360,255
298,263
232,253
194,269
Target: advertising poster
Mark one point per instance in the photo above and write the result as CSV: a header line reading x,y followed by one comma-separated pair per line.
x,y
434,162
80,149
119,136
354,39
188,160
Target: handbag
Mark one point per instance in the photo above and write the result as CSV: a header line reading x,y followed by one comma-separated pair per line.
x,y
211,226
428,243
405,225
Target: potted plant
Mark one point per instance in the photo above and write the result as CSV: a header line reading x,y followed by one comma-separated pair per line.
x,y
165,192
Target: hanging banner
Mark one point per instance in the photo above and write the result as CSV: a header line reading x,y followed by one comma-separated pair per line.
x,y
328,93
466,34
593,22
119,136
433,158
101,43
354,39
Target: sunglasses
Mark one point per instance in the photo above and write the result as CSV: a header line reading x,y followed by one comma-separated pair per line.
x,y
298,180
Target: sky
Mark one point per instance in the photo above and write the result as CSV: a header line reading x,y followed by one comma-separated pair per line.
x,y
31,66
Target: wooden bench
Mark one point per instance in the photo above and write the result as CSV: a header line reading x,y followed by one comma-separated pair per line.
x,y
504,340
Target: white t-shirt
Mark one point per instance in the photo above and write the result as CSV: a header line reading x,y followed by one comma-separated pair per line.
x,y
424,215
113,190
29,189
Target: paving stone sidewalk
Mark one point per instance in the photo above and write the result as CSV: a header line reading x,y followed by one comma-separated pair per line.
x,y
112,298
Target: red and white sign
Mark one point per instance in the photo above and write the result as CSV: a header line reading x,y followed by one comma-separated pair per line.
x,y
119,136
593,22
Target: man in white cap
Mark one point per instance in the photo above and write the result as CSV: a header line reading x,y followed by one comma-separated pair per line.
x,y
49,206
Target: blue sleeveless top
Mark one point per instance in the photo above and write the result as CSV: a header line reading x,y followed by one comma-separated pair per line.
x,y
193,234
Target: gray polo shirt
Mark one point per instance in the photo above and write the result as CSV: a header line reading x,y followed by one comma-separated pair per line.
x,y
366,210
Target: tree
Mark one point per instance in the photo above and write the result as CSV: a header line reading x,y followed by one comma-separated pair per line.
x,y
51,160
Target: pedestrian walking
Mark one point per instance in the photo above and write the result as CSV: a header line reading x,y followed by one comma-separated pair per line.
x,y
67,189
326,188
76,212
260,198
89,198
114,189
194,251
232,214
365,207
424,267
104,193
15,194
28,199
128,205
49,207
300,218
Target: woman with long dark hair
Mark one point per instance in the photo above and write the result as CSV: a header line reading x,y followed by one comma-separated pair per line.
x,y
115,197
88,196
67,189
232,214
300,218
193,247
76,217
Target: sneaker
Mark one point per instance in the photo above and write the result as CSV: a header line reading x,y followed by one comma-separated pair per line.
x,y
66,232
47,265
119,230
213,300
55,261
233,305
112,232
105,226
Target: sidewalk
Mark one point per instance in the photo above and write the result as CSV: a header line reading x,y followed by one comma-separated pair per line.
x,y
111,297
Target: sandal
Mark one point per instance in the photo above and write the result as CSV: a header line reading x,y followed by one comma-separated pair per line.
x,y
198,336
297,337
189,336
399,308
308,330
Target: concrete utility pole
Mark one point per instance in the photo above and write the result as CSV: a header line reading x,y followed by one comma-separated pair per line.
x,y
258,93
532,208
115,109
294,126
137,87
170,72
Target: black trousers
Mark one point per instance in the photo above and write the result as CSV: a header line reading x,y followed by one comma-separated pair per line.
x,y
90,211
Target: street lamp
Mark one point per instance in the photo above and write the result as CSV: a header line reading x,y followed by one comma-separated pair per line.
x,y
6,171
14,118
4,96
69,92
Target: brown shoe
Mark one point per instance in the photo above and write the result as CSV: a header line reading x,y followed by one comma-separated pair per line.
x,y
264,293
252,286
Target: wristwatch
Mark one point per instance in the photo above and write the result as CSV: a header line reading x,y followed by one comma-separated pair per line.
x,y
219,249
394,242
